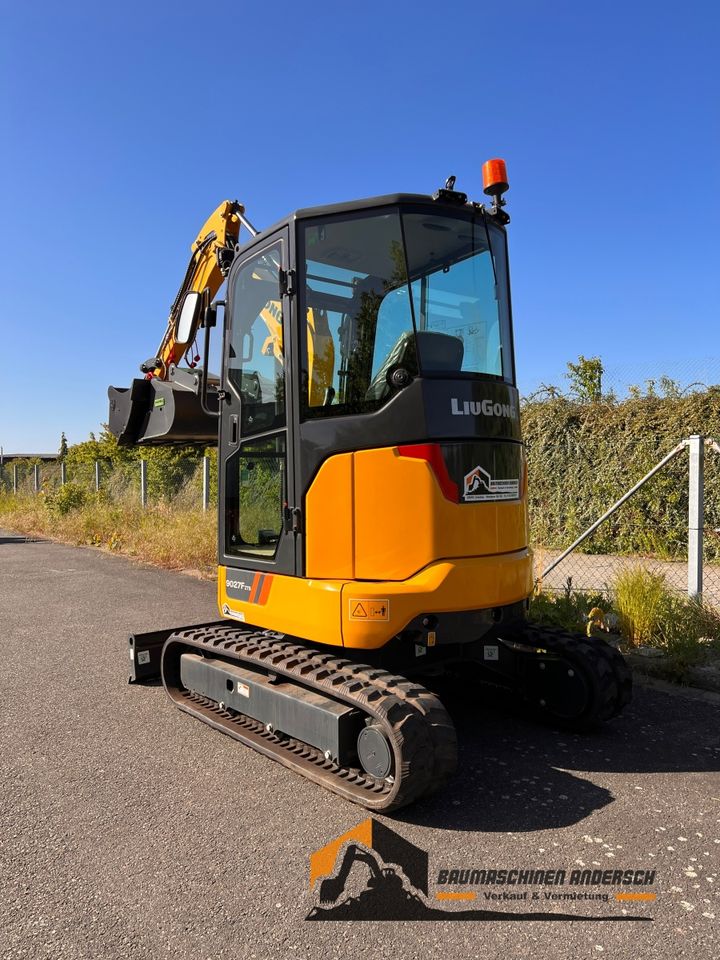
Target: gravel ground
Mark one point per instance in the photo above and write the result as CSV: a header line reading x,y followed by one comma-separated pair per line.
x,y
131,830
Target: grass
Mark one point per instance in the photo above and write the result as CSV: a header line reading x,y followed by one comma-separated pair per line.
x,y
650,614
642,601
644,611
569,609
166,535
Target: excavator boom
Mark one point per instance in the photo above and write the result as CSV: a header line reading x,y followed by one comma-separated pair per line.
x,y
212,253
171,404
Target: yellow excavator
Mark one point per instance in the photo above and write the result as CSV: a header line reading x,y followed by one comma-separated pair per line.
x,y
373,528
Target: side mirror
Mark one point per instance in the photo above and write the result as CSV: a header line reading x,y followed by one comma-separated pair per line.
x,y
187,321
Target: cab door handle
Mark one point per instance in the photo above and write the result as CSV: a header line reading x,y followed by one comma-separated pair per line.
x,y
233,430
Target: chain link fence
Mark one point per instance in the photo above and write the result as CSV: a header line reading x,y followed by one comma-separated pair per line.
x,y
191,484
651,529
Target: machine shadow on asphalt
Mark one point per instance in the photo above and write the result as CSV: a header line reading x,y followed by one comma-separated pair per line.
x,y
519,776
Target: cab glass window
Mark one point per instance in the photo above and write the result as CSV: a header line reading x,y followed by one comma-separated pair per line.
x,y
459,289
357,311
255,506
423,291
255,349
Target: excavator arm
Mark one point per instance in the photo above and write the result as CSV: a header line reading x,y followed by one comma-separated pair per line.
x,y
210,260
174,405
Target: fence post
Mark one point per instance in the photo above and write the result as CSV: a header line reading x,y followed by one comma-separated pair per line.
x,y
143,483
97,476
696,516
206,483
36,478
15,479
63,474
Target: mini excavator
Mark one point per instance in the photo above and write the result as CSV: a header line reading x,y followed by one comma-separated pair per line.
x,y
373,527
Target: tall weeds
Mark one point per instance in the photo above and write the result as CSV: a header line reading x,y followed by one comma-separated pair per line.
x,y
169,535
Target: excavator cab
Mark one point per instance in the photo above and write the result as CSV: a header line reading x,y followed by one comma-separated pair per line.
x,y
392,354
372,498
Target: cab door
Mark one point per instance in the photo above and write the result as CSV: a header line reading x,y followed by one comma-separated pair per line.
x,y
258,530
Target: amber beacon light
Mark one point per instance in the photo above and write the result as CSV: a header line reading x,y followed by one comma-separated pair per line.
x,y
495,181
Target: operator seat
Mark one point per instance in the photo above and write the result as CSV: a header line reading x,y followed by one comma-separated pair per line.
x,y
439,353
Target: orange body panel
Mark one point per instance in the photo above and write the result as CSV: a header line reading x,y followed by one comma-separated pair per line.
x,y
329,544
383,546
376,515
294,605
365,615
466,584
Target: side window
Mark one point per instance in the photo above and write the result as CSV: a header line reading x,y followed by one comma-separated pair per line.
x,y
256,516
459,292
460,301
255,354
255,473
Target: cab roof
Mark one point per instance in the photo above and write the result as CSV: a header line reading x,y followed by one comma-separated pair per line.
x,y
367,203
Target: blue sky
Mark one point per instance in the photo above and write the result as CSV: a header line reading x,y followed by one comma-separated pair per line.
x,y
125,125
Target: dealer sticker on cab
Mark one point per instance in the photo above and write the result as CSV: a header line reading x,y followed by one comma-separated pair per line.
x,y
363,609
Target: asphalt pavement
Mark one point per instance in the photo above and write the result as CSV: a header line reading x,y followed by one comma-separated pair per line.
x,y
130,830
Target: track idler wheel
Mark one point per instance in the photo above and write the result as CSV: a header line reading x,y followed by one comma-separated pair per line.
x,y
374,752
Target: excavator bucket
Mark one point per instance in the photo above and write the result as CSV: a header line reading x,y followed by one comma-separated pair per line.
x,y
161,412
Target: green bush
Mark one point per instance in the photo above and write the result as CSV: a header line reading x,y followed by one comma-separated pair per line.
x,y
645,611
569,609
642,601
66,498
651,614
583,456
169,469
689,630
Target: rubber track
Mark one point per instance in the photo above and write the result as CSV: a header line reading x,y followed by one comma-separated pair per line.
x,y
413,719
603,665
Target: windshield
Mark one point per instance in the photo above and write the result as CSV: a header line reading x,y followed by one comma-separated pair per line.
x,y
419,291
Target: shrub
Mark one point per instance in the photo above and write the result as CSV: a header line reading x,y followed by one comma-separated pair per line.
x,y
653,615
689,629
569,609
66,498
647,611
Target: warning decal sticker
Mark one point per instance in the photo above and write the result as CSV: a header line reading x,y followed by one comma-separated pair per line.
x,y
369,609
